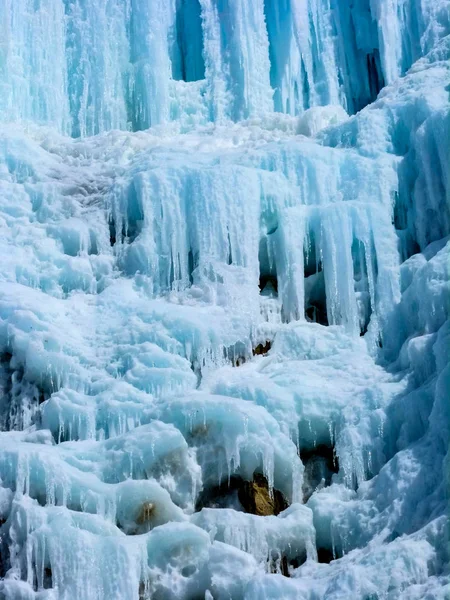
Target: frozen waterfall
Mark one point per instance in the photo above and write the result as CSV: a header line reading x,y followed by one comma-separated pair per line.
x,y
89,66
224,297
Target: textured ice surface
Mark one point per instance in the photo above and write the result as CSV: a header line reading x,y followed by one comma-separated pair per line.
x,y
224,260
86,66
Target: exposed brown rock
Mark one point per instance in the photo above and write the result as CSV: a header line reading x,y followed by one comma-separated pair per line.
x,y
251,496
262,349
256,498
146,513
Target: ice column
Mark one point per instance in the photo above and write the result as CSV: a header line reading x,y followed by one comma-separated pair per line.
x,y
236,58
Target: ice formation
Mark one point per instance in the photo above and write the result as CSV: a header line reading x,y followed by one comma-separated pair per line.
x,y
224,294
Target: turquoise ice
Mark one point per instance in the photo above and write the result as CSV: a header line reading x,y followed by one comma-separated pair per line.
x,y
224,258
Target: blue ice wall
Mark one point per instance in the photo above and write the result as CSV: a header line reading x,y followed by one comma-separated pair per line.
x,y
224,275
86,66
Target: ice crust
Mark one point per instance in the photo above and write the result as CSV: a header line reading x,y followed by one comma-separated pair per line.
x,y
224,255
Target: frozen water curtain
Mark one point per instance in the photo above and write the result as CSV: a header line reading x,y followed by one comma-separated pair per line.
x,y
224,298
